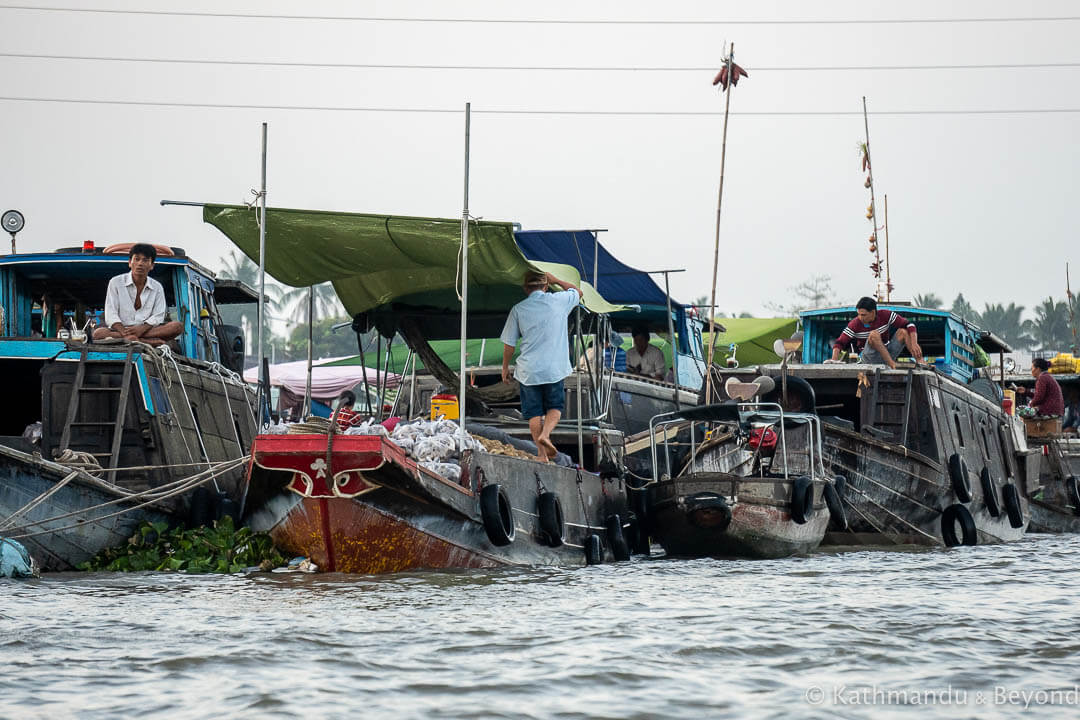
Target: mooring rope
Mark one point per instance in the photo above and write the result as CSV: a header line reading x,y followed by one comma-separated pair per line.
x,y
162,492
10,519
890,512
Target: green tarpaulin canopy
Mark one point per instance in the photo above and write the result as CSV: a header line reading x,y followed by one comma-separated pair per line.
x,y
753,338
375,260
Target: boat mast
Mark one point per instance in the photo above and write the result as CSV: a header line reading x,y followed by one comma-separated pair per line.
x,y
262,277
464,278
1072,312
730,62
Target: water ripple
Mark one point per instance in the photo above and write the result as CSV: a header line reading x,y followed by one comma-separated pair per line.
x,y
644,639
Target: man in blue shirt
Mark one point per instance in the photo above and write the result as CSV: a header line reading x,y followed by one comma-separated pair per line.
x,y
539,322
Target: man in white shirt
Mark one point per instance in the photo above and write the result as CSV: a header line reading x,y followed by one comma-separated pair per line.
x,y
643,358
540,323
135,304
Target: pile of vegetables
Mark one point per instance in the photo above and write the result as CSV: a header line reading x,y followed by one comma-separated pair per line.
x,y
219,549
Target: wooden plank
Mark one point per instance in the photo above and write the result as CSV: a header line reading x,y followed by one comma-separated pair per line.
x,y
121,411
73,401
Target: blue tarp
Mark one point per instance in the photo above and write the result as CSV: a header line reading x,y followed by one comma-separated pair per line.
x,y
619,283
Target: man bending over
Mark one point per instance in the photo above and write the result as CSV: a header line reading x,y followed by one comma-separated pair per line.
x,y
870,332
135,303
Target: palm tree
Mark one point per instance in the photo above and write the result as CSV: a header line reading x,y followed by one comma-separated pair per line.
x,y
326,303
929,301
1008,324
237,266
963,309
1051,327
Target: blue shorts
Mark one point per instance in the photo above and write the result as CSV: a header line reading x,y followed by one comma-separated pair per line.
x,y
536,400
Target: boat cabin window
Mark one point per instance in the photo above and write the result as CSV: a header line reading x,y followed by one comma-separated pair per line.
x,y
959,429
51,296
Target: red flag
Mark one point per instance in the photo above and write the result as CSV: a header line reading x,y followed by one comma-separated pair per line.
x,y
722,78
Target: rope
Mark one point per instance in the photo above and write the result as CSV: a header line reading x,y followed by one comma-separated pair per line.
x,y
894,515
155,496
216,367
864,516
38,500
166,353
220,369
851,470
81,460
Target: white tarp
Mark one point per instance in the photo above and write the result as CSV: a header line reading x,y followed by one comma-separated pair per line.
x,y
326,382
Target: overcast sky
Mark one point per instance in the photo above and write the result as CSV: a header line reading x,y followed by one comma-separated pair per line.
x,y
982,204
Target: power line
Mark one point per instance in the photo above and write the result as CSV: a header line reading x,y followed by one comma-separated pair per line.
x,y
544,68
543,112
536,21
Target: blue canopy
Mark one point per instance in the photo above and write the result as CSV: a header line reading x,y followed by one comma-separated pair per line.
x,y
619,283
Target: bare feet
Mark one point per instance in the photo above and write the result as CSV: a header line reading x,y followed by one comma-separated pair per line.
x,y
546,446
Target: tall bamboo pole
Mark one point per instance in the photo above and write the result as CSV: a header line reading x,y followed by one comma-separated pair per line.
x,y
263,381
716,247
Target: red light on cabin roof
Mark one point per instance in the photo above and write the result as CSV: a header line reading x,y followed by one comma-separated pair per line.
x,y
88,245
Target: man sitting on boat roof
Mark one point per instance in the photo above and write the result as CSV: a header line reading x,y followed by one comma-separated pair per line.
x,y
135,304
539,321
870,332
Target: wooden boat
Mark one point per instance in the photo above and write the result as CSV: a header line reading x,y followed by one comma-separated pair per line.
x,y
360,504
1055,498
928,454
128,422
755,489
372,509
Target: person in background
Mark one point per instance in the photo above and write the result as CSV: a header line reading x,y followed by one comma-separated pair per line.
x,y
539,322
1047,399
346,416
616,362
1071,423
135,304
870,332
643,358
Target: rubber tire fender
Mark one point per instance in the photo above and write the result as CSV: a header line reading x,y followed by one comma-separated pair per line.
x,y
837,516
989,493
802,500
1072,490
1011,496
616,539
497,514
200,508
949,517
594,550
958,476
552,524
708,501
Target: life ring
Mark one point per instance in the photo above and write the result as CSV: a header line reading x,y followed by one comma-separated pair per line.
x,y
953,514
801,397
802,500
989,493
1011,496
125,248
1072,489
958,475
594,550
708,511
837,516
552,525
616,539
497,515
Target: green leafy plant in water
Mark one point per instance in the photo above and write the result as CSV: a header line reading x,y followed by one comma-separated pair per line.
x,y
222,548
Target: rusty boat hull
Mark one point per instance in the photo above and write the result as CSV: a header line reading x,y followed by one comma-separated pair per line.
x,y
1054,507
366,507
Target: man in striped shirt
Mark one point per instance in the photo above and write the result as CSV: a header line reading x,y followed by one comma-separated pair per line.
x,y
870,332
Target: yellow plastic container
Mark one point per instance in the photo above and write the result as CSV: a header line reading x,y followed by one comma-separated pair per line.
x,y
444,406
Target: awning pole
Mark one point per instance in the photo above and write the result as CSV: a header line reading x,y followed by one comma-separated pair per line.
x,y
310,338
674,345
464,278
262,275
